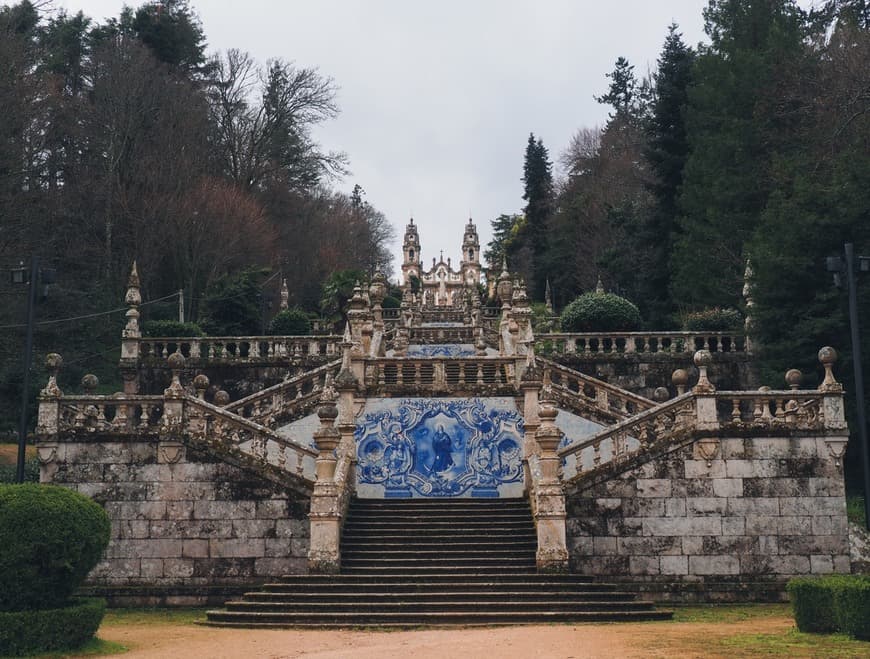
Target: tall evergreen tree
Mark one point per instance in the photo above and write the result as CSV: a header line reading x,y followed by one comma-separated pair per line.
x,y
539,197
729,128
666,152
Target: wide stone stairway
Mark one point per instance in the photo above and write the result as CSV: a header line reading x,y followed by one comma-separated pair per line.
x,y
414,562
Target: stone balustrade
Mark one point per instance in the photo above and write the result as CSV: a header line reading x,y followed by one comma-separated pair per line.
x,y
236,350
217,427
285,401
618,442
802,410
442,334
591,397
443,316
605,343
432,375
118,414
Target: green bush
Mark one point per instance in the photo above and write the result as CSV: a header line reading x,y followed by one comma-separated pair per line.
x,y
600,312
51,537
852,605
832,603
290,322
171,328
812,602
713,320
391,302
47,630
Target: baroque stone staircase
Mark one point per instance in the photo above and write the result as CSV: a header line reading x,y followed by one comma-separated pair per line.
x,y
415,562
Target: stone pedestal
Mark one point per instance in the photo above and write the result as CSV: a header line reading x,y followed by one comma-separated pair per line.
x,y
549,497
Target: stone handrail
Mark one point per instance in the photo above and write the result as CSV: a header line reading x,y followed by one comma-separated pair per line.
x,y
799,409
464,334
629,436
590,396
223,350
287,400
214,425
604,343
443,315
121,414
437,375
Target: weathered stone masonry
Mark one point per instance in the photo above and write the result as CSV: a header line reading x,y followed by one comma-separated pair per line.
x,y
759,510
186,527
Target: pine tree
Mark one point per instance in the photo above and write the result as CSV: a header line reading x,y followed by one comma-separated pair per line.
x,y
729,129
666,152
538,182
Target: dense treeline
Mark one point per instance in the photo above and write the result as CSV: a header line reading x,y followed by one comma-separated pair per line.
x,y
753,147
124,140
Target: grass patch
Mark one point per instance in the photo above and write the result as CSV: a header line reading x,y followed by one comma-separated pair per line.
x,y
729,613
795,643
155,616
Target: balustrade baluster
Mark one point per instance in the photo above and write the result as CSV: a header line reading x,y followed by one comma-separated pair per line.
x,y
596,453
462,373
479,373
735,410
780,409
417,376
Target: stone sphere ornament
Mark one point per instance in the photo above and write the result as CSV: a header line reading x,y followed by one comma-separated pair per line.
x,y
221,398
53,362
175,361
660,395
201,382
680,377
793,378
702,358
827,355
90,382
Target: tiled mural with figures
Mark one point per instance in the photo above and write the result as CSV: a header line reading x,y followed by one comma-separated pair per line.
x,y
441,350
439,447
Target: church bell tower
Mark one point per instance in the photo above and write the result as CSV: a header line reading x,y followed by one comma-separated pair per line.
x,y
470,263
411,264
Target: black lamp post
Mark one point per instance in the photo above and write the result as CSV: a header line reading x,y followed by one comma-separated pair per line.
x,y
836,265
19,276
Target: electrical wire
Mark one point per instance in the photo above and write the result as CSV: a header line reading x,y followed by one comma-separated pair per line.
x,y
90,315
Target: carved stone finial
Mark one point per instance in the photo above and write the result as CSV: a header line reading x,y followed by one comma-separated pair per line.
x,y
793,378
378,289
680,378
133,299
548,298
661,394
90,382
599,287
702,360
53,364
828,357
175,361
221,398
285,295
201,383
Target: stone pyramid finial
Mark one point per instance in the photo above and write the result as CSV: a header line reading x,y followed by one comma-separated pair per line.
x,y
599,287
285,295
548,298
133,297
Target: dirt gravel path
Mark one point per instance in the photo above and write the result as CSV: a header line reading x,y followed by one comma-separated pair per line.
x,y
684,640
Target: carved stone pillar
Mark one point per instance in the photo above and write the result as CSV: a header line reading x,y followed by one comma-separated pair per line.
x,y
324,556
531,387
705,404
549,504
131,335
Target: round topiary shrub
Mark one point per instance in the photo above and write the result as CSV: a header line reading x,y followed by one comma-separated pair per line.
x,y
391,302
600,312
171,328
714,319
51,537
290,322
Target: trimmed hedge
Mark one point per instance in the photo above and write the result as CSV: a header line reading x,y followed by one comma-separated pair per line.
x,y
600,312
290,322
47,630
50,538
714,319
171,328
832,603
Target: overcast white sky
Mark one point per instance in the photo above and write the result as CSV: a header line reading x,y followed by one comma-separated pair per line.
x,y
438,97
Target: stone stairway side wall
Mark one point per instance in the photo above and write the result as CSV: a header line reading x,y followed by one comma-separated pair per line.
x,y
187,528
725,519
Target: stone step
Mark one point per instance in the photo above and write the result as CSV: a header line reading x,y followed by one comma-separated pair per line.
x,y
414,619
489,579
445,544
436,555
365,606
436,593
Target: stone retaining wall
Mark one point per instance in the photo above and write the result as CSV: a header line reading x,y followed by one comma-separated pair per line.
x,y
729,515
187,529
